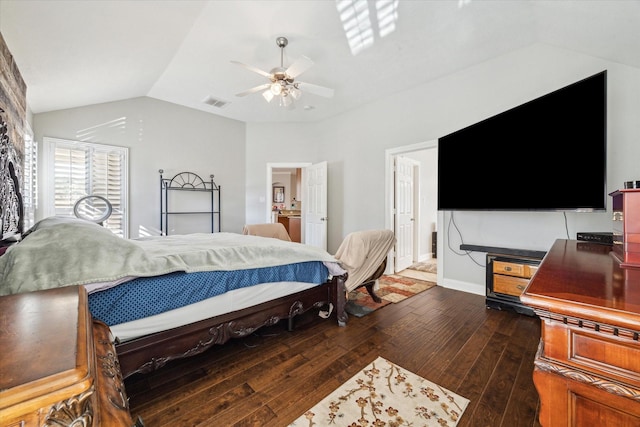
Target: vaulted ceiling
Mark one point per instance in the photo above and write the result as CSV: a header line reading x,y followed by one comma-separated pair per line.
x,y
76,53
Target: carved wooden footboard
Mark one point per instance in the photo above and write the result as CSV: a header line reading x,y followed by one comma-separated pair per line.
x,y
148,353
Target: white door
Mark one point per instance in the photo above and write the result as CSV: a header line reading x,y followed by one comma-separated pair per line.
x,y
314,204
404,215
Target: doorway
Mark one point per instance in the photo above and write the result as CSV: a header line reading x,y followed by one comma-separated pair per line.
x,y
285,177
311,199
425,219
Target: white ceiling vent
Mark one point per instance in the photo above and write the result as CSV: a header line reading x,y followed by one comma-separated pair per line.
x,y
218,103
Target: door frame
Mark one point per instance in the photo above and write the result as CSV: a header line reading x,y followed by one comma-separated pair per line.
x,y
268,190
389,197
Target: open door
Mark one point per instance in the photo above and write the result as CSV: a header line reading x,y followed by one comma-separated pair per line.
x,y
404,212
314,191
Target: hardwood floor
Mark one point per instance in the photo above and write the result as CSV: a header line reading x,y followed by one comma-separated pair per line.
x,y
272,377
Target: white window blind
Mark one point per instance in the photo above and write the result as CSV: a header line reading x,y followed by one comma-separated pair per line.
x,y
29,176
78,169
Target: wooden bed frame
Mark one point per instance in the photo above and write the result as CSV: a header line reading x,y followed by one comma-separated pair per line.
x,y
145,354
150,352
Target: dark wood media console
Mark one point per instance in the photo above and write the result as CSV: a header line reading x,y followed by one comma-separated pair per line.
x,y
508,272
507,278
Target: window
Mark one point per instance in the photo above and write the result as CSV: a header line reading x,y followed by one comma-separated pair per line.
x,y
76,169
29,186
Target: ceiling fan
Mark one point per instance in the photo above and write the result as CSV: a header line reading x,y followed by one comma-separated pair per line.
x,y
282,83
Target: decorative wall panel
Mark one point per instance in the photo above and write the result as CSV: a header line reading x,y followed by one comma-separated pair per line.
x,y
13,112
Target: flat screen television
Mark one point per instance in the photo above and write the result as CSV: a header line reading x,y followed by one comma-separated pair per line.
x,y
548,154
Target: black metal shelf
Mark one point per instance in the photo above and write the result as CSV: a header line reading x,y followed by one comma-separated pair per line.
x,y
187,189
189,213
189,181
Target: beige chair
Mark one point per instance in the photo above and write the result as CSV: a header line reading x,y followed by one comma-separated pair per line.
x,y
274,230
364,255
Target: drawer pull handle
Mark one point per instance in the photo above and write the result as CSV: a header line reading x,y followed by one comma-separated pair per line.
x,y
507,269
520,287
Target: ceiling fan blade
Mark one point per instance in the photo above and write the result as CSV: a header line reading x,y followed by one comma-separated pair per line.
x,y
254,90
254,69
315,89
299,67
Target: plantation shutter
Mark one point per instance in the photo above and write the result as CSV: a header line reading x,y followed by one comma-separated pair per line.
x,y
29,198
82,169
70,178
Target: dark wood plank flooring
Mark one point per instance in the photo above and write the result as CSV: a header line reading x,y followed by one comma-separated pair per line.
x,y
270,378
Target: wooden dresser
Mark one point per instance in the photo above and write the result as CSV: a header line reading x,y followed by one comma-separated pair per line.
x,y
587,369
58,367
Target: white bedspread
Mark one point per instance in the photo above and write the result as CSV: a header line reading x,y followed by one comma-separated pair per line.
x,y
65,251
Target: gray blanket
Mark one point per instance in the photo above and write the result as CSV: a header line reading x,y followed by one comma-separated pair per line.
x,y
64,251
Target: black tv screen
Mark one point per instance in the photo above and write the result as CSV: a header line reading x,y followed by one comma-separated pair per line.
x,y
548,154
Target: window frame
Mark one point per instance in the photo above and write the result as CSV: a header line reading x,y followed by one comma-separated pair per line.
x,y
48,174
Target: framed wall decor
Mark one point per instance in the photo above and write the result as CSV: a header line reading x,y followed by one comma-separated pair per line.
x,y
278,194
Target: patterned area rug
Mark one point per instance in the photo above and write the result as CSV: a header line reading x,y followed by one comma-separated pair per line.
x,y
384,394
393,289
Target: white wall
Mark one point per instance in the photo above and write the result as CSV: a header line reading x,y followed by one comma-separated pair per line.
x,y
160,135
163,135
354,145
299,144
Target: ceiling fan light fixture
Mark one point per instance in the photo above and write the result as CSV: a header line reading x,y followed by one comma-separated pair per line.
x,y
276,88
268,95
295,92
285,101
282,83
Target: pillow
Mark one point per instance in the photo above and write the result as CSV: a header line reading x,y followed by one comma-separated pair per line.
x,y
52,221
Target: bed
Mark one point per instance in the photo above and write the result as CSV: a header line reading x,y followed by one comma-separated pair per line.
x,y
60,252
233,284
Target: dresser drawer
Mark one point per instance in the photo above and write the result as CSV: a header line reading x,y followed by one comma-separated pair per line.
x,y
514,269
509,285
601,352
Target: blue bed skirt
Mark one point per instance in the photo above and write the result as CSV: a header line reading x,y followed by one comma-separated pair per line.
x,y
148,296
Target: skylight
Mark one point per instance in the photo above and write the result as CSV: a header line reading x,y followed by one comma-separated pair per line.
x,y
357,21
387,12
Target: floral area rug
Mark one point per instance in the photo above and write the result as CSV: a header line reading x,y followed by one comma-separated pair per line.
x,y
384,394
393,289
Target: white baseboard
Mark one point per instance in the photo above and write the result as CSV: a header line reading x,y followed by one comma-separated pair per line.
x,y
472,288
